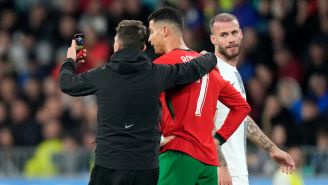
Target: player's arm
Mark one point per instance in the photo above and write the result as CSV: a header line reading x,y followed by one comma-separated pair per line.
x,y
76,84
188,72
224,177
223,162
255,134
239,109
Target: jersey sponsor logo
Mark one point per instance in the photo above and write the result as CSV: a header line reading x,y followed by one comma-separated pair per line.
x,y
128,126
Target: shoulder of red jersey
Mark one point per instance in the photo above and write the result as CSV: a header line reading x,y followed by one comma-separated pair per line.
x,y
176,56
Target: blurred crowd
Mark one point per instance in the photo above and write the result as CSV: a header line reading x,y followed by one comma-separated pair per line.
x,y
284,65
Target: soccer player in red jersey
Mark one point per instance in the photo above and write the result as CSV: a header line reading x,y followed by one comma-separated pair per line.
x,y
188,111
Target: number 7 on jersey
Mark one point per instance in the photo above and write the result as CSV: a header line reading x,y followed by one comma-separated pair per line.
x,y
202,95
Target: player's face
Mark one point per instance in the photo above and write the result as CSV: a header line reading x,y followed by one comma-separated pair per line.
x,y
227,38
156,37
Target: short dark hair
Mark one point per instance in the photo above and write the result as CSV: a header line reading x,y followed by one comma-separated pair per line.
x,y
132,33
222,17
168,14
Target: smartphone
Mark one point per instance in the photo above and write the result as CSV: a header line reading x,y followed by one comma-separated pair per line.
x,y
79,39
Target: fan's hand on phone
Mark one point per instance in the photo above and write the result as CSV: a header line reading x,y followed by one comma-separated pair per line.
x,y
77,57
79,40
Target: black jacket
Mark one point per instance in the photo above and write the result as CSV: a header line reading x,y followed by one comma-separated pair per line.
x,y
127,90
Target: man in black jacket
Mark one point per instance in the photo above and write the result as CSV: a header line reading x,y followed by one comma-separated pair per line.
x,y
127,90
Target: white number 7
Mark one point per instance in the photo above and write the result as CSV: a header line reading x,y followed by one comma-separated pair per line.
x,y
202,95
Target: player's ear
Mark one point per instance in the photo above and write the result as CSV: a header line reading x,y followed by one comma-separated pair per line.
x,y
145,47
213,39
165,31
241,33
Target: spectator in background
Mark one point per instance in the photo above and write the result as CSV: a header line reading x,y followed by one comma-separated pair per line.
x,y
72,158
319,159
318,92
67,7
280,8
50,87
245,67
8,164
8,91
21,48
59,57
25,128
316,58
94,17
33,94
277,35
72,118
66,27
6,67
300,23
4,118
256,50
37,22
310,122
256,95
6,140
135,9
209,8
84,5
245,13
5,44
287,64
42,163
264,14
8,20
279,135
275,115
265,76
290,97
114,14
192,15
288,92
38,26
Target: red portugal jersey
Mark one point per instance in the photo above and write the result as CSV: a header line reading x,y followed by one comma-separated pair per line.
x,y
188,111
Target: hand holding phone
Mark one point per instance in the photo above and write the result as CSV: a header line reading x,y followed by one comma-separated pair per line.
x,y
79,39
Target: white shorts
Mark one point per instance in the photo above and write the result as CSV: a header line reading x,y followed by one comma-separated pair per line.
x,y
240,180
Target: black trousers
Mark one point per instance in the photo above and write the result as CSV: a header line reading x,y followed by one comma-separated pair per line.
x,y
105,176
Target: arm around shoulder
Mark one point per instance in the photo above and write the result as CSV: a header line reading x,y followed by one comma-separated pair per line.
x,y
188,72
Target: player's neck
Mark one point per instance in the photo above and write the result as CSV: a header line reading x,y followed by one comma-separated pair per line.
x,y
232,61
175,43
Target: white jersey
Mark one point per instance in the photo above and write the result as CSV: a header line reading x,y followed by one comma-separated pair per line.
x,y
234,150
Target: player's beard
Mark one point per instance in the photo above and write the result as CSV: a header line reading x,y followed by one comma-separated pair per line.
x,y
230,56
